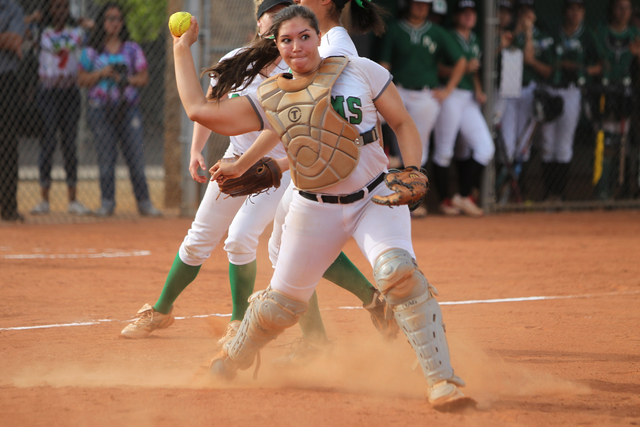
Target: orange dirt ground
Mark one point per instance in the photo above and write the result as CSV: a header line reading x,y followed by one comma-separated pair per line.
x,y
572,360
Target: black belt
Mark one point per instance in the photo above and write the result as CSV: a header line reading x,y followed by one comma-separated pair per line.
x,y
343,200
369,136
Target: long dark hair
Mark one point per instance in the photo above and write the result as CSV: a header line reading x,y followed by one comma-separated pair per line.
x,y
362,19
97,37
238,72
47,18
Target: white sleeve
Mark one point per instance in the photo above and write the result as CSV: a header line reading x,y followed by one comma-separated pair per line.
x,y
378,77
257,107
231,54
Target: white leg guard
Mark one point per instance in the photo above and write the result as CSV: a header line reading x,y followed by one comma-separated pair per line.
x,y
268,315
419,316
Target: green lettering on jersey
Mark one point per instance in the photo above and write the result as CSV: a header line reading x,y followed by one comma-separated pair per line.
x,y
234,95
352,103
338,105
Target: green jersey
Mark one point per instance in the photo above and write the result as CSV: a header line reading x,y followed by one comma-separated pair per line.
x,y
471,50
543,46
579,48
414,53
615,53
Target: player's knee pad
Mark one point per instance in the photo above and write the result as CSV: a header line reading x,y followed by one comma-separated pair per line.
x,y
269,314
418,314
398,277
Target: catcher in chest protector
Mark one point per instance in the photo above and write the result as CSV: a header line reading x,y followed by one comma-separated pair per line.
x,y
337,171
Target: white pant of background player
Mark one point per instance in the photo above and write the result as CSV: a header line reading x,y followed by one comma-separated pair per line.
x,y
244,219
558,135
423,109
515,119
460,116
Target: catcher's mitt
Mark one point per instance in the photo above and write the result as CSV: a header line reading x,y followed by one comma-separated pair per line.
x,y
410,185
262,175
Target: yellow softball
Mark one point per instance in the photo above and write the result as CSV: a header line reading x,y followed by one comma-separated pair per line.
x,y
179,22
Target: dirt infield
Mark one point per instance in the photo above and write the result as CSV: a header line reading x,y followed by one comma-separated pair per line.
x,y
572,358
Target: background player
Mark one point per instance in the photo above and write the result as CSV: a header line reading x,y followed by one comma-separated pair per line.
x,y
411,50
577,60
538,56
460,117
318,225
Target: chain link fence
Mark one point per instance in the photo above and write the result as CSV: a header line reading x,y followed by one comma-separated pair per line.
x,y
564,115
566,118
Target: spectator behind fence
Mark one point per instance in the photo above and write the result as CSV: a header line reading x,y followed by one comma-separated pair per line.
x,y
619,45
113,68
461,119
576,61
58,99
12,31
537,55
411,50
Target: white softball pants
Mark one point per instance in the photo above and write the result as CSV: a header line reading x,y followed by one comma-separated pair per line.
x,y
245,218
314,234
515,118
557,136
423,109
460,115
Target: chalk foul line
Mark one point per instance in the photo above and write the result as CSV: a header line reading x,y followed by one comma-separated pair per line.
x,y
467,302
75,256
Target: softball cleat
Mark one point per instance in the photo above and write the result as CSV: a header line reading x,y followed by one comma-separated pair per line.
x,y
445,396
148,321
229,333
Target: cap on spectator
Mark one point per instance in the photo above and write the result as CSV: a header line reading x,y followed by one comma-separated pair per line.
x,y
506,4
423,1
529,3
439,7
268,4
570,2
465,4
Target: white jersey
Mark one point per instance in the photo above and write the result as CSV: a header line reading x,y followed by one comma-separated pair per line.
x,y
337,42
241,143
353,94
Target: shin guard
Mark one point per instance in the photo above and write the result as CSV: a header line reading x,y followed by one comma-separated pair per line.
x,y
418,314
269,314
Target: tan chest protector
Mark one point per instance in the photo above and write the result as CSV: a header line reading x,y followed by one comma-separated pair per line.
x,y
323,148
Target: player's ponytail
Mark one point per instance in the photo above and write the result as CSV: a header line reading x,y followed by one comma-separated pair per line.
x,y
364,16
236,73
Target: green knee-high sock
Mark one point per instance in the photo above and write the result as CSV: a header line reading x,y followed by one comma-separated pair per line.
x,y
242,279
311,323
346,275
178,279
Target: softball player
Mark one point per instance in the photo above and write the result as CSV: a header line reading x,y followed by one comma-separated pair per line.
x,y
319,224
217,214
538,52
619,46
576,60
245,222
335,41
411,49
460,117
